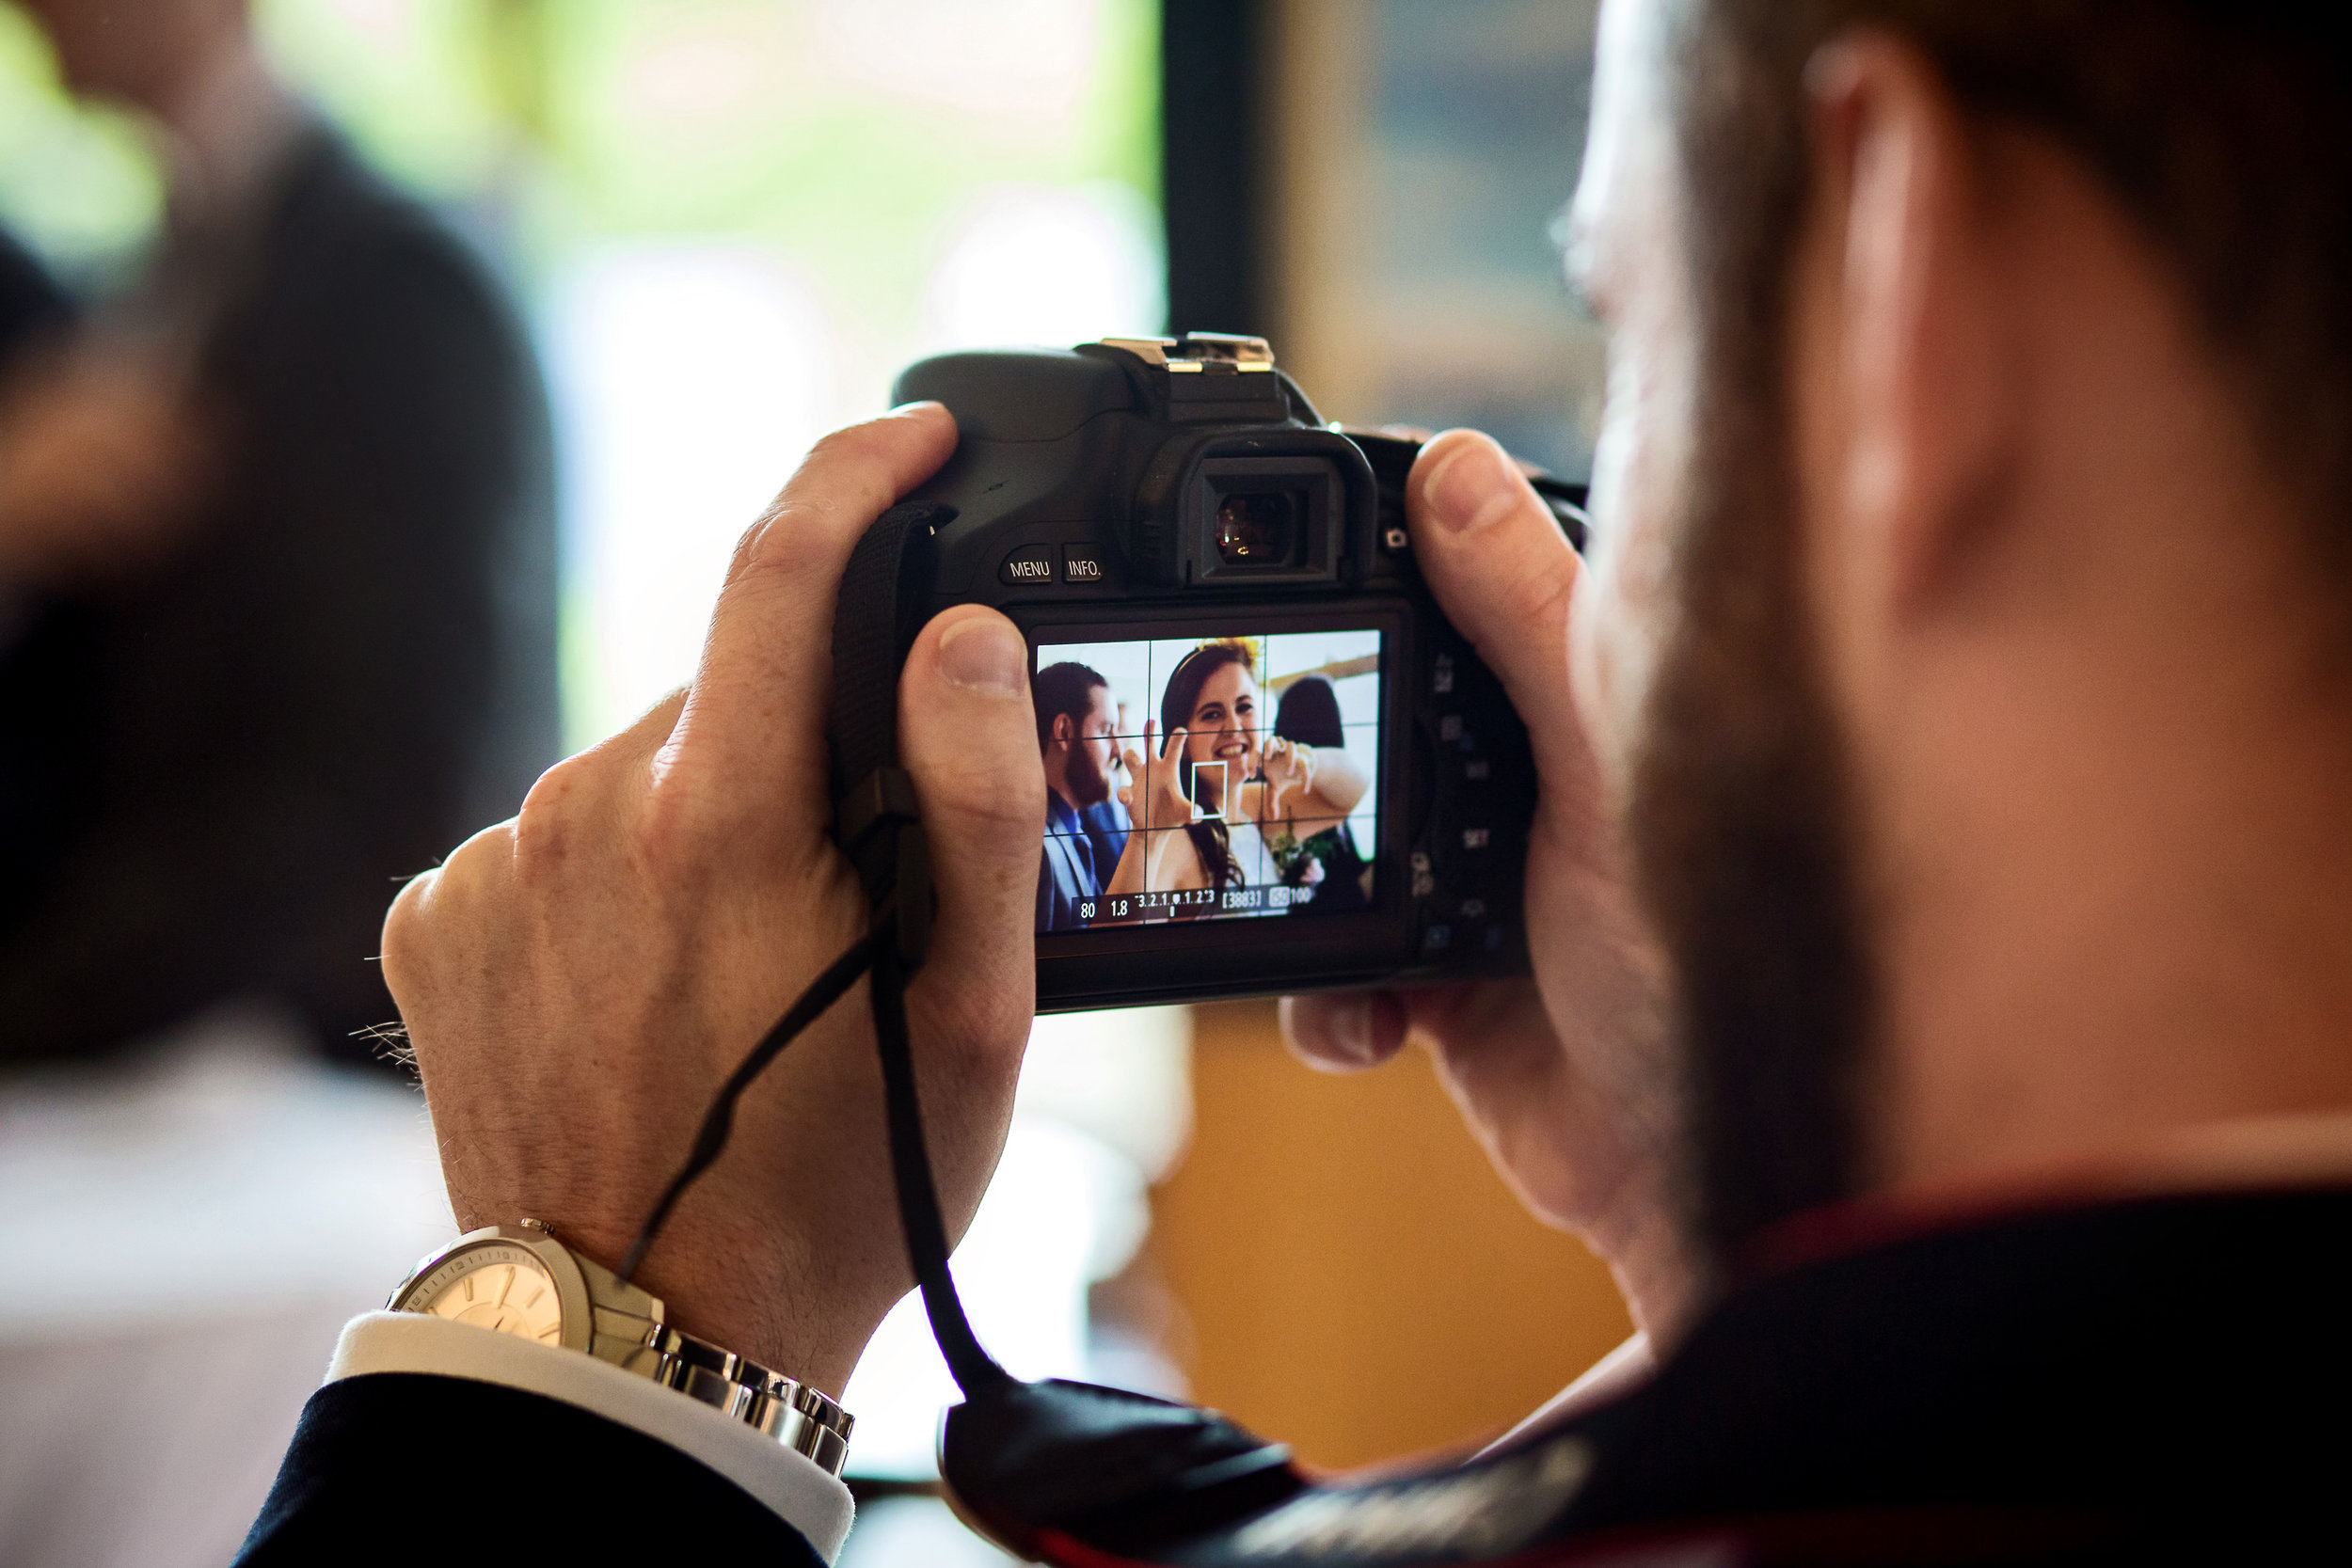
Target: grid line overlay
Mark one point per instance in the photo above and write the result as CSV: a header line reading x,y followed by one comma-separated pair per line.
x,y
1243,817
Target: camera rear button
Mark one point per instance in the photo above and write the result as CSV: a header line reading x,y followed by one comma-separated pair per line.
x,y
1081,563
1031,563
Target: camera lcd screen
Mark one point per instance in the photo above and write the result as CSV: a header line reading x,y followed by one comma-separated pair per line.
x,y
1208,777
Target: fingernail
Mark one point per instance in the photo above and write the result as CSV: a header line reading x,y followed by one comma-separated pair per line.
x,y
906,409
984,655
1472,486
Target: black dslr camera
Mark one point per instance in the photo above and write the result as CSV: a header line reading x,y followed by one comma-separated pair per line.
x,y
1271,763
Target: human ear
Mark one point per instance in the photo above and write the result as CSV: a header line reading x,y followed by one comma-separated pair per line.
x,y
1916,343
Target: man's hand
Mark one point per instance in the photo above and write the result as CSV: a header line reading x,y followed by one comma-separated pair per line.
x,y
1566,1080
103,464
578,981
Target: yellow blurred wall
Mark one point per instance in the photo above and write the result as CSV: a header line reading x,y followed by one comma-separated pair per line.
x,y
1359,1283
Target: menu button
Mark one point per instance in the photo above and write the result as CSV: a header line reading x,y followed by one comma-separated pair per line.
x,y
1031,563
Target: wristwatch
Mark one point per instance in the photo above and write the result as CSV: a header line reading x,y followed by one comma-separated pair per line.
x,y
521,1280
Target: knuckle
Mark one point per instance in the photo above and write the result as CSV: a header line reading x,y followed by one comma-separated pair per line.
x,y
841,448
980,804
985,1024
789,541
991,780
407,932
845,469
545,833
1540,597
1523,608
443,910
669,831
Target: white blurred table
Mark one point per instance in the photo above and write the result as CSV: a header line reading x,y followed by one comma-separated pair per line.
x,y
183,1235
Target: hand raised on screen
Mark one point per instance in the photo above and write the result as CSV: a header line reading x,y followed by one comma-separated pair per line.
x,y
1154,797
1289,770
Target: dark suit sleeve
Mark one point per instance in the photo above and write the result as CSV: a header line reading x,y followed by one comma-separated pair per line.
x,y
404,1467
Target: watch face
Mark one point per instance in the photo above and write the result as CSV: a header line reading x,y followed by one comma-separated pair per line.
x,y
499,1286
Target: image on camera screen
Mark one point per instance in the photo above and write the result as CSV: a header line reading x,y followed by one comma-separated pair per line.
x,y
1220,778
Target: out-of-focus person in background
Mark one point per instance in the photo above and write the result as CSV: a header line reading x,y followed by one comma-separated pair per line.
x,y
277,566
1319,852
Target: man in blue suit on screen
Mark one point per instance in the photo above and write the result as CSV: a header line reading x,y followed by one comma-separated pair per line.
x,y
1086,828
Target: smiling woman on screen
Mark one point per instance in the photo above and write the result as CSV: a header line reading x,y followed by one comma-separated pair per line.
x,y
1212,778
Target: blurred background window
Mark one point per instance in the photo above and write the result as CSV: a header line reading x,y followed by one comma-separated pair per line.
x,y
1374,182
727,224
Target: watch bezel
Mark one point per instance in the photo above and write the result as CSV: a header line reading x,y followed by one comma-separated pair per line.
x,y
576,1314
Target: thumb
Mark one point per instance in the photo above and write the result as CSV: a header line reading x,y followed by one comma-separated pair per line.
x,y
1503,573
1344,1031
969,737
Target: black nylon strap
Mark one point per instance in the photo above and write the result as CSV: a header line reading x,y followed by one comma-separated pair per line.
x,y
878,826
883,798
874,622
975,1371
718,1121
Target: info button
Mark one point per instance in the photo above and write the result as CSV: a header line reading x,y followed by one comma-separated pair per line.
x,y
1031,563
1081,563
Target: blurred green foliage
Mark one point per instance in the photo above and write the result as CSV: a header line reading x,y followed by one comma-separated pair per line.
x,y
78,185
580,119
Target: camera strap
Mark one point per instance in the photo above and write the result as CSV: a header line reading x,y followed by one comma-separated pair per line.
x,y
1064,1472
880,827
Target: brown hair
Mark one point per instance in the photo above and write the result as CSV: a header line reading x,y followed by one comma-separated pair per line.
x,y
1067,688
1214,841
2222,127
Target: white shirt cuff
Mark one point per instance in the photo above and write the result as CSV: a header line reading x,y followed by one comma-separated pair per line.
x,y
792,1485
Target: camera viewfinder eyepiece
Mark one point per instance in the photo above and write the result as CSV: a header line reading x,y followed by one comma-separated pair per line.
x,y
1267,520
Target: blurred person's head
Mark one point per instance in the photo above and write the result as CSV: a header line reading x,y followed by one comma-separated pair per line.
x,y
1965,637
146,54
1308,713
1213,697
1076,726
